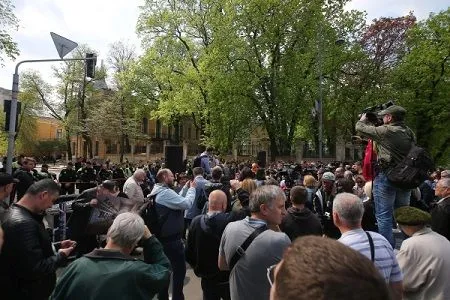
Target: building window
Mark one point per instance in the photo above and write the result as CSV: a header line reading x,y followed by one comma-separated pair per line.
x,y
145,125
97,145
180,132
158,129
58,133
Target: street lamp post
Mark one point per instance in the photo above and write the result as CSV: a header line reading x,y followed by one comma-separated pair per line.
x,y
13,111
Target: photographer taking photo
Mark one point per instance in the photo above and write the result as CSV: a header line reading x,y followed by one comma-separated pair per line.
x,y
393,140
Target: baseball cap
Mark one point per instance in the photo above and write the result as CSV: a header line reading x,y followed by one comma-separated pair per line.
x,y
328,176
6,178
394,110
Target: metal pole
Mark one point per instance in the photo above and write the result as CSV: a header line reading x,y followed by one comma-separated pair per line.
x,y
13,112
12,121
320,116
319,58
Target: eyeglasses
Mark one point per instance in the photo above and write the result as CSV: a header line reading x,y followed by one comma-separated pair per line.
x,y
270,274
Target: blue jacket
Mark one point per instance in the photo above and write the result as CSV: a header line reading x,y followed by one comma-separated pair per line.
x,y
199,190
205,164
170,207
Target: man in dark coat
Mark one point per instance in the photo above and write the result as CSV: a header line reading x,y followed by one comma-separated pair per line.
x,y
87,177
300,220
215,183
82,209
28,263
202,247
440,215
67,179
25,176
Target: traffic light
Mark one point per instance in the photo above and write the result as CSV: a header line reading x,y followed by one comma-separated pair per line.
x,y
7,110
91,61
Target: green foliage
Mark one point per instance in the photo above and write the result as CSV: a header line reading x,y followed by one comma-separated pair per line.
x,y
422,80
235,65
48,148
8,21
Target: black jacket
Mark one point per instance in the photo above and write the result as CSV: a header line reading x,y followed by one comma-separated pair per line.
x,y
26,179
440,217
81,212
27,261
67,175
217,185
300,222
202,247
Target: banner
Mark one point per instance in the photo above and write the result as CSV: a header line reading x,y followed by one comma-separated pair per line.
x,y
105,212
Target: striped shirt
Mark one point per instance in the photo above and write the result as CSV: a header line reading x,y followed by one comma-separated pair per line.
x,y
385,259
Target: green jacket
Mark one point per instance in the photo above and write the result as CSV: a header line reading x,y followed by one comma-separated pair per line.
x,y
393,141
108,274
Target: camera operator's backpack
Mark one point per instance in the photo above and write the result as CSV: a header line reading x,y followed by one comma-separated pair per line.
x,y
412,170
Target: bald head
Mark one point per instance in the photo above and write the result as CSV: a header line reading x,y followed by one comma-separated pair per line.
x,y
217,201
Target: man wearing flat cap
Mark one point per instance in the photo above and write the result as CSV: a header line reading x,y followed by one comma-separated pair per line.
x,y
424,257
323,205
393,140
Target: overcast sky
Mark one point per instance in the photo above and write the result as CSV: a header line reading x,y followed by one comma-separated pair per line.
x,y
99,23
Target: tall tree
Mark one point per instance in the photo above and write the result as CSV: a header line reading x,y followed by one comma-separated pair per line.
x,y
31,108
422,81
237,63
8,21
373,54
120,58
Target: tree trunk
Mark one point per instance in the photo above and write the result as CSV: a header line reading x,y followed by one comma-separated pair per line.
x,y
122,133
68,147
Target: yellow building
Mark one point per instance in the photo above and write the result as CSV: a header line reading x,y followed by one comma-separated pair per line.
x,y
153,137
48,128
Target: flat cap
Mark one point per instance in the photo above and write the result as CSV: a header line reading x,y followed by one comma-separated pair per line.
x,y
408,215
328,176
394,110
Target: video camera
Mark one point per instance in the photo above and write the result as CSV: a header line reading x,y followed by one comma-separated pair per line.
x,y
372,112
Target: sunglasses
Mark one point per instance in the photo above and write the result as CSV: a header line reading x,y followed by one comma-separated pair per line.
x,y
270,274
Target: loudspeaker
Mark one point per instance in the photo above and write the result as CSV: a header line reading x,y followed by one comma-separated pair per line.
x,y
174,158
262,157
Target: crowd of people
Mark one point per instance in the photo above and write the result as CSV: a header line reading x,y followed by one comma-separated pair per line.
x,y
303,230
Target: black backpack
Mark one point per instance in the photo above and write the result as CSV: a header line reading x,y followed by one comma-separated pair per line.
x,y
151,217
412,170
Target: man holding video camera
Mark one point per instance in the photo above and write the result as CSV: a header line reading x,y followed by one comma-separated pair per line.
x,y
393,140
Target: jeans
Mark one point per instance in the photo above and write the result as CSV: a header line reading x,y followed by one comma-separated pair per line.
x,y
386,198
174,251
213,290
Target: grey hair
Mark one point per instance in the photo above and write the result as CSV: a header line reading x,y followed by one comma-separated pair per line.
x,y
265,194
126,230
349,208
139,171
445,182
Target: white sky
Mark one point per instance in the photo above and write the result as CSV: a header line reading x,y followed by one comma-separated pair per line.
x,y
99,23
